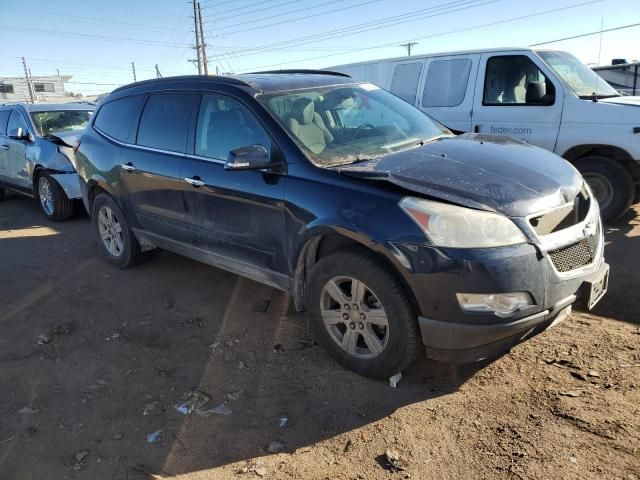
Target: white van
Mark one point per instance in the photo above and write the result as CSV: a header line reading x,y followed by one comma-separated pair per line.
x,y
547,98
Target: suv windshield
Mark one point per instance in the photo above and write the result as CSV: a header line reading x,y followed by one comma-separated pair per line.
x,y
55,122
581,79
338,125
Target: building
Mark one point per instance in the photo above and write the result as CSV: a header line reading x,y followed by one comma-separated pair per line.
x,y
47,89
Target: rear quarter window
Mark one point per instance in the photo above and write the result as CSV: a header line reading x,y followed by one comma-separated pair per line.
x,y
115,118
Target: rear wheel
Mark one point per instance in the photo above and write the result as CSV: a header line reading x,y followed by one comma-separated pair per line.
x,y
53,202
610,183
362,315
115,240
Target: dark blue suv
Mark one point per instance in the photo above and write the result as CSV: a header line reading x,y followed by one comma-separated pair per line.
x,y
392,232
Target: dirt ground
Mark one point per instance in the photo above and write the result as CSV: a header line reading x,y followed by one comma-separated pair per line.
x,y
94,361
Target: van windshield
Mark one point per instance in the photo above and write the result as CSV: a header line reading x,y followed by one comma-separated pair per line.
x,y
343,124
584,82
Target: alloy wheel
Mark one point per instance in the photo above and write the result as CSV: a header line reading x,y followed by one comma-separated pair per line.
x,y
354,317
45,193
110,231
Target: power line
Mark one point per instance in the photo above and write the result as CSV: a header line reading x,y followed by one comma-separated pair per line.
x,y
586,34
475,27
244,14
242,8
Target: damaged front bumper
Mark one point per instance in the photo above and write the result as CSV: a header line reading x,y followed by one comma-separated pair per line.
x,y
70,183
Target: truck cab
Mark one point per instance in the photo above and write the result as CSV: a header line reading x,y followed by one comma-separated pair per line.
x,y
545,97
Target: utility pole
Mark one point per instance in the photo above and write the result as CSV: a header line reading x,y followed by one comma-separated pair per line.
x,y
29,82
203,45
409,46
195,24
133,69
158,74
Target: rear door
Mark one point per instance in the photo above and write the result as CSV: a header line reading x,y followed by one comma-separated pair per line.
x,y
448,90
150,169
238,216
505,103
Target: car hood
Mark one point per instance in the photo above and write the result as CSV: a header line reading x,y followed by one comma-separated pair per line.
x,y
66,139
493,173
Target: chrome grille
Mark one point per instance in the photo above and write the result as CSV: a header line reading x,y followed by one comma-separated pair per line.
x,y
577,254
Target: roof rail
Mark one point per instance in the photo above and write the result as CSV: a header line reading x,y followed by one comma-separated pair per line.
x,y
316,72
215,78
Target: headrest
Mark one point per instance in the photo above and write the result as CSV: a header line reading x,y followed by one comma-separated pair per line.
x,y
303,111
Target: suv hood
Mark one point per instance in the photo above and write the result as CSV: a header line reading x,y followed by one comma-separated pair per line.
x,y
493,173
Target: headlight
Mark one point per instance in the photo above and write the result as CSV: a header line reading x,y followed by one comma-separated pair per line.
x,y
458,227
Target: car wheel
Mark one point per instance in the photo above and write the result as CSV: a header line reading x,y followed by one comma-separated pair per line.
x,y
52,200
362,314
115,240
610,183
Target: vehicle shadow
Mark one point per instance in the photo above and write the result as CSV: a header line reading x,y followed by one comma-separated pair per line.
x,y
97,359
622,247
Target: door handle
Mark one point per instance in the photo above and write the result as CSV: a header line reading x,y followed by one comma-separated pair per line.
x,y
4,147
128,167
195,181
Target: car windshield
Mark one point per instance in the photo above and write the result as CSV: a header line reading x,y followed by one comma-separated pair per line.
x,y
581,79
343,124
60,121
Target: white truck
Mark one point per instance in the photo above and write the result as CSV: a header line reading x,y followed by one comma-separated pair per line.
x,y
544,97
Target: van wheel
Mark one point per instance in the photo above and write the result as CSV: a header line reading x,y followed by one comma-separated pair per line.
x,y
610,183
53,202
362,315
115,240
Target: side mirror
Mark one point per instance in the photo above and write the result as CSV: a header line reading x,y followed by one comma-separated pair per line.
x,y
20,134
537,94
251,157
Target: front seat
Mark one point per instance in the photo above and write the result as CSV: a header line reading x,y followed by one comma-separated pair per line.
x,y
308,126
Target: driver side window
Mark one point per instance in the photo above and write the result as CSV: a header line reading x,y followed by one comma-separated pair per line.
x,y
516,80
224,124
16,120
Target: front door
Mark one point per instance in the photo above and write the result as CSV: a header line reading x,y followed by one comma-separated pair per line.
x,y
150,169
17,166
238,216
518,98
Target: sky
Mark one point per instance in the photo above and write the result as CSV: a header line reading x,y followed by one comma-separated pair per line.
x,y
96,41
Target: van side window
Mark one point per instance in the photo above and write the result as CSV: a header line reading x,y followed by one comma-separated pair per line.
x,y
115,118
446,83
224,124
4,119
516,80
404,83
164,123
16,120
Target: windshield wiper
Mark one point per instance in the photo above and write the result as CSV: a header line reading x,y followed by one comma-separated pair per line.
x,y
594,97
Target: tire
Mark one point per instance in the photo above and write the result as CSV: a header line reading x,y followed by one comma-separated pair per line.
x,y
398,344
611,184
107,219
54,203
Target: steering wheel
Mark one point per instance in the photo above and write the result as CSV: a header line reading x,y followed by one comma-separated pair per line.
x,y
360,128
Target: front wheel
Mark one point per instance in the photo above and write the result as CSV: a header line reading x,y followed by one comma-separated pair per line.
x,y
362,315
115,240
53,202
610,183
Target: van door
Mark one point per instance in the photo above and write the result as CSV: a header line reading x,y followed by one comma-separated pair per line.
x,y
518,97
447,94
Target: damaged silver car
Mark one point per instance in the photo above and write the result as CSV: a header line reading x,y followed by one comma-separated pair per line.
x,y
36,153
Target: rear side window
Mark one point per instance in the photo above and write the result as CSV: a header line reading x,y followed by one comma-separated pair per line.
x,y
446,83
164,123
404,83
115,118
4,118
